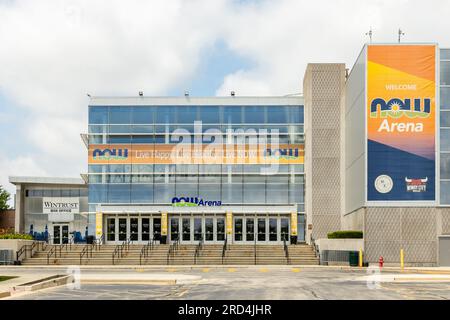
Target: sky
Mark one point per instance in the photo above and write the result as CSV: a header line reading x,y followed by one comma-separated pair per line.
x,y
52,53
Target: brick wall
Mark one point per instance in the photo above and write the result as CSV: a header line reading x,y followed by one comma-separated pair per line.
x,y
7,219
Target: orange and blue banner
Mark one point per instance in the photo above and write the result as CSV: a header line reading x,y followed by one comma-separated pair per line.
x,y
401,122
193,154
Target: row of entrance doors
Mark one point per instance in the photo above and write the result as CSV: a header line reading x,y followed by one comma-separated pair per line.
x,y
191,229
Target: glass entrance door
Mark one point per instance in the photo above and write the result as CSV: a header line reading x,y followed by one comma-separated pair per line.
x,y
134,229
209,229
174,229
261,230
145,229
157,229
111,229
186,230
60,233
220,229
250,229
273,229
123,229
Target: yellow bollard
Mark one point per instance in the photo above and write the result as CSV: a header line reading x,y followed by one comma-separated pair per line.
x,y
402,258
360,260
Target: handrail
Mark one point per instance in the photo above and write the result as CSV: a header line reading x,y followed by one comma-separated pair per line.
x,y
286,251
315,248
116,252
173,246
198,248
255,246
144,251
50,253
22,250
86,252
224,248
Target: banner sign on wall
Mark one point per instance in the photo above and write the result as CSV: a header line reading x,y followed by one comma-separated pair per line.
x,y
192,154
60,209
401,125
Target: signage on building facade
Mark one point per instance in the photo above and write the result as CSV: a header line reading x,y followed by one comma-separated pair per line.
x,y
401,122
196,154
60,209
194,202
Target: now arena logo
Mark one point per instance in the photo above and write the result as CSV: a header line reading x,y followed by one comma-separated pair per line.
x,y
193,202
287,154
110,154
396,108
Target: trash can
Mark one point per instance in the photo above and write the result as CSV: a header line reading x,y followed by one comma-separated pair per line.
x,y
353,257
90,239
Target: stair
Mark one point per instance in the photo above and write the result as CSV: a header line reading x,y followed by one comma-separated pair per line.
x,y
210,254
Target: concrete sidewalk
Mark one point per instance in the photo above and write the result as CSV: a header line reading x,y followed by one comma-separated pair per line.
x,y
22,278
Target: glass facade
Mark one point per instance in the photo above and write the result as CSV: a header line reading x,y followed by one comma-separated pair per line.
x,y
445,127
155,126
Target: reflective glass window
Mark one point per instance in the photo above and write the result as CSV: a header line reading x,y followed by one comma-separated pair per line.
x,y
445,118
277,114
119,193
119,115
296,114
445,192
97,193
445,165
445,54
142,115
210,114
445,139
232,114
165,114
254,114
142,193
445,98
98,115
186,114
445,73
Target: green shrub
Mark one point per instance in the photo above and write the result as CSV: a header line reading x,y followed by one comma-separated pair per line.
x,y
16,236
345,235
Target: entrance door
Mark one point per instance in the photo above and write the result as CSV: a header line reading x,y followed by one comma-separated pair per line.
x,y
220,229
145,229
60,233
186,229
123,226
238,229
209,229
174,229
261,236
250,229
111,229
273,230
134,229
284,229
157,229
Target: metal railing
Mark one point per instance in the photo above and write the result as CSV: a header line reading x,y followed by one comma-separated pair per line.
x,y
224,248
198,248
66,245
87,251
286,251
50,253
145,249
255,247
315,248
120,248
172,248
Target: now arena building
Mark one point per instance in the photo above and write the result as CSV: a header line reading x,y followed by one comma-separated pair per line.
x,y
364,150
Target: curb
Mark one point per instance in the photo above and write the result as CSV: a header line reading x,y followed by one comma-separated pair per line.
x,y
44,283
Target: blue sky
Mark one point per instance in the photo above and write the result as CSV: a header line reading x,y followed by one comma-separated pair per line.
x,y
53,53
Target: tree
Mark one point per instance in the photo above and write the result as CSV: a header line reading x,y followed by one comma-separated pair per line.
x,y
4,198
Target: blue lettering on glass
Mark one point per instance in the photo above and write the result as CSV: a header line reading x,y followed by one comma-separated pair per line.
x,y
193,202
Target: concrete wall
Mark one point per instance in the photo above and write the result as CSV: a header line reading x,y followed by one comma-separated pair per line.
x,y
355,135
413,229
7,219
341,244
354,220
323,89
14,245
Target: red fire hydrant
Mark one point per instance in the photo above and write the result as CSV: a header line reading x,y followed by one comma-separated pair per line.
x,y
381,261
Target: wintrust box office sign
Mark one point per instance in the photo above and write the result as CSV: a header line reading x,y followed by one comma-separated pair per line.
x,y
61,209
